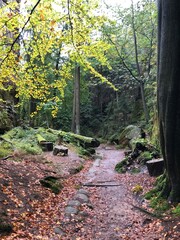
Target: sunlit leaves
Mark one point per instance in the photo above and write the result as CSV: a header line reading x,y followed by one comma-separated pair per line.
x,y
57,34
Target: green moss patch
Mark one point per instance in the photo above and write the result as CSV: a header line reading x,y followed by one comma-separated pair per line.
x,y
53,183
176,210
5,149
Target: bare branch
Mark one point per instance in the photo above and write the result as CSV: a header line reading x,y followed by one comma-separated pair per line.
x,y
123,62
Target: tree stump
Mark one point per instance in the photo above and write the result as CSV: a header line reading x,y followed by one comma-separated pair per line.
x,y
46,146
60,150
155,167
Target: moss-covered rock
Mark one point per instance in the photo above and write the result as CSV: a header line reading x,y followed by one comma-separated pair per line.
x,y
130,133
144,157
76,170
135,159
53,183
121,167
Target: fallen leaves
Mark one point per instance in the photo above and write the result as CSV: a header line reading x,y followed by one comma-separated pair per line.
x,y
35,212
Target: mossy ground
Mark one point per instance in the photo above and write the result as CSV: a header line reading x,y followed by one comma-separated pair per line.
x,y
158,198
24,140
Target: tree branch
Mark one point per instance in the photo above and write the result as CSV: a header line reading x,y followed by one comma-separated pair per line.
x,y
17,38
123,62
70,23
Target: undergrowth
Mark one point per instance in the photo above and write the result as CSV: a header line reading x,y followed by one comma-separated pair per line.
x,y
176,210
158,198
24,140
5,149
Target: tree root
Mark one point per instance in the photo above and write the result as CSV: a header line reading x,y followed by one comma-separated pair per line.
x,y
147,212
5,158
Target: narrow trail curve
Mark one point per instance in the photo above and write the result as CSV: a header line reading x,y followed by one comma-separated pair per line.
x,y
114,218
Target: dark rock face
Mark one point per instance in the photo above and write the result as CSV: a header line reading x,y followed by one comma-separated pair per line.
x,y
7,117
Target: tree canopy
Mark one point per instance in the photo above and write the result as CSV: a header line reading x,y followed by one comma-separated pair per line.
x,y
40,41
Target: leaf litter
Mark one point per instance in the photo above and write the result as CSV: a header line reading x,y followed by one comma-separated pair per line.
x,y
34,212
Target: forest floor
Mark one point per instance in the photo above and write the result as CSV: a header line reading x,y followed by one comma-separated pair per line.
x,y
109,209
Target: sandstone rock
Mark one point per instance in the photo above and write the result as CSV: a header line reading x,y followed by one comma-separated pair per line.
x,y
82,198
74,203
71,210
59,231
83,191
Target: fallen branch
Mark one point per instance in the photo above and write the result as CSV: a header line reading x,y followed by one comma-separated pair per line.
x,y
5,158
105,181
147,212
100,185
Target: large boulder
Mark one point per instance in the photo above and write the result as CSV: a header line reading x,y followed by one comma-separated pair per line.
x,y
129,134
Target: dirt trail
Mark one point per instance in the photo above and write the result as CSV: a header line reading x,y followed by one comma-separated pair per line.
x,y
115,217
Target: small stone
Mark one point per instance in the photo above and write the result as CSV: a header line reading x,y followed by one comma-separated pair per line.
x,y
82,198
83,214
71,210
83,191
59,231
74,203
90,206
97,157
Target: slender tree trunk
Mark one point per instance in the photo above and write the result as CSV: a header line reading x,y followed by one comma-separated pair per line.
x,y
73,112
77,90
76,102
169,91
146,115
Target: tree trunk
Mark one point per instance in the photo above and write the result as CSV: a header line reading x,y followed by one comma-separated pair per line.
x,y
139,71
169,91
146,114
76,102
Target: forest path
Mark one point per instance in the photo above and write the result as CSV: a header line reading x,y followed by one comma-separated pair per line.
x,y
113,216
115,212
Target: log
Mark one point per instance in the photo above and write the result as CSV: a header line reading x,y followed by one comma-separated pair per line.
x,y
85,142
155,167
46,146
40,138
80,140
59,149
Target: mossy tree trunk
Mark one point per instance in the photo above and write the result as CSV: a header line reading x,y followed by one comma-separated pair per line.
x,y
169,92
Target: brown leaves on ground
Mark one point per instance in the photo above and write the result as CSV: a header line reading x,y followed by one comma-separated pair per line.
x,y
35,212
